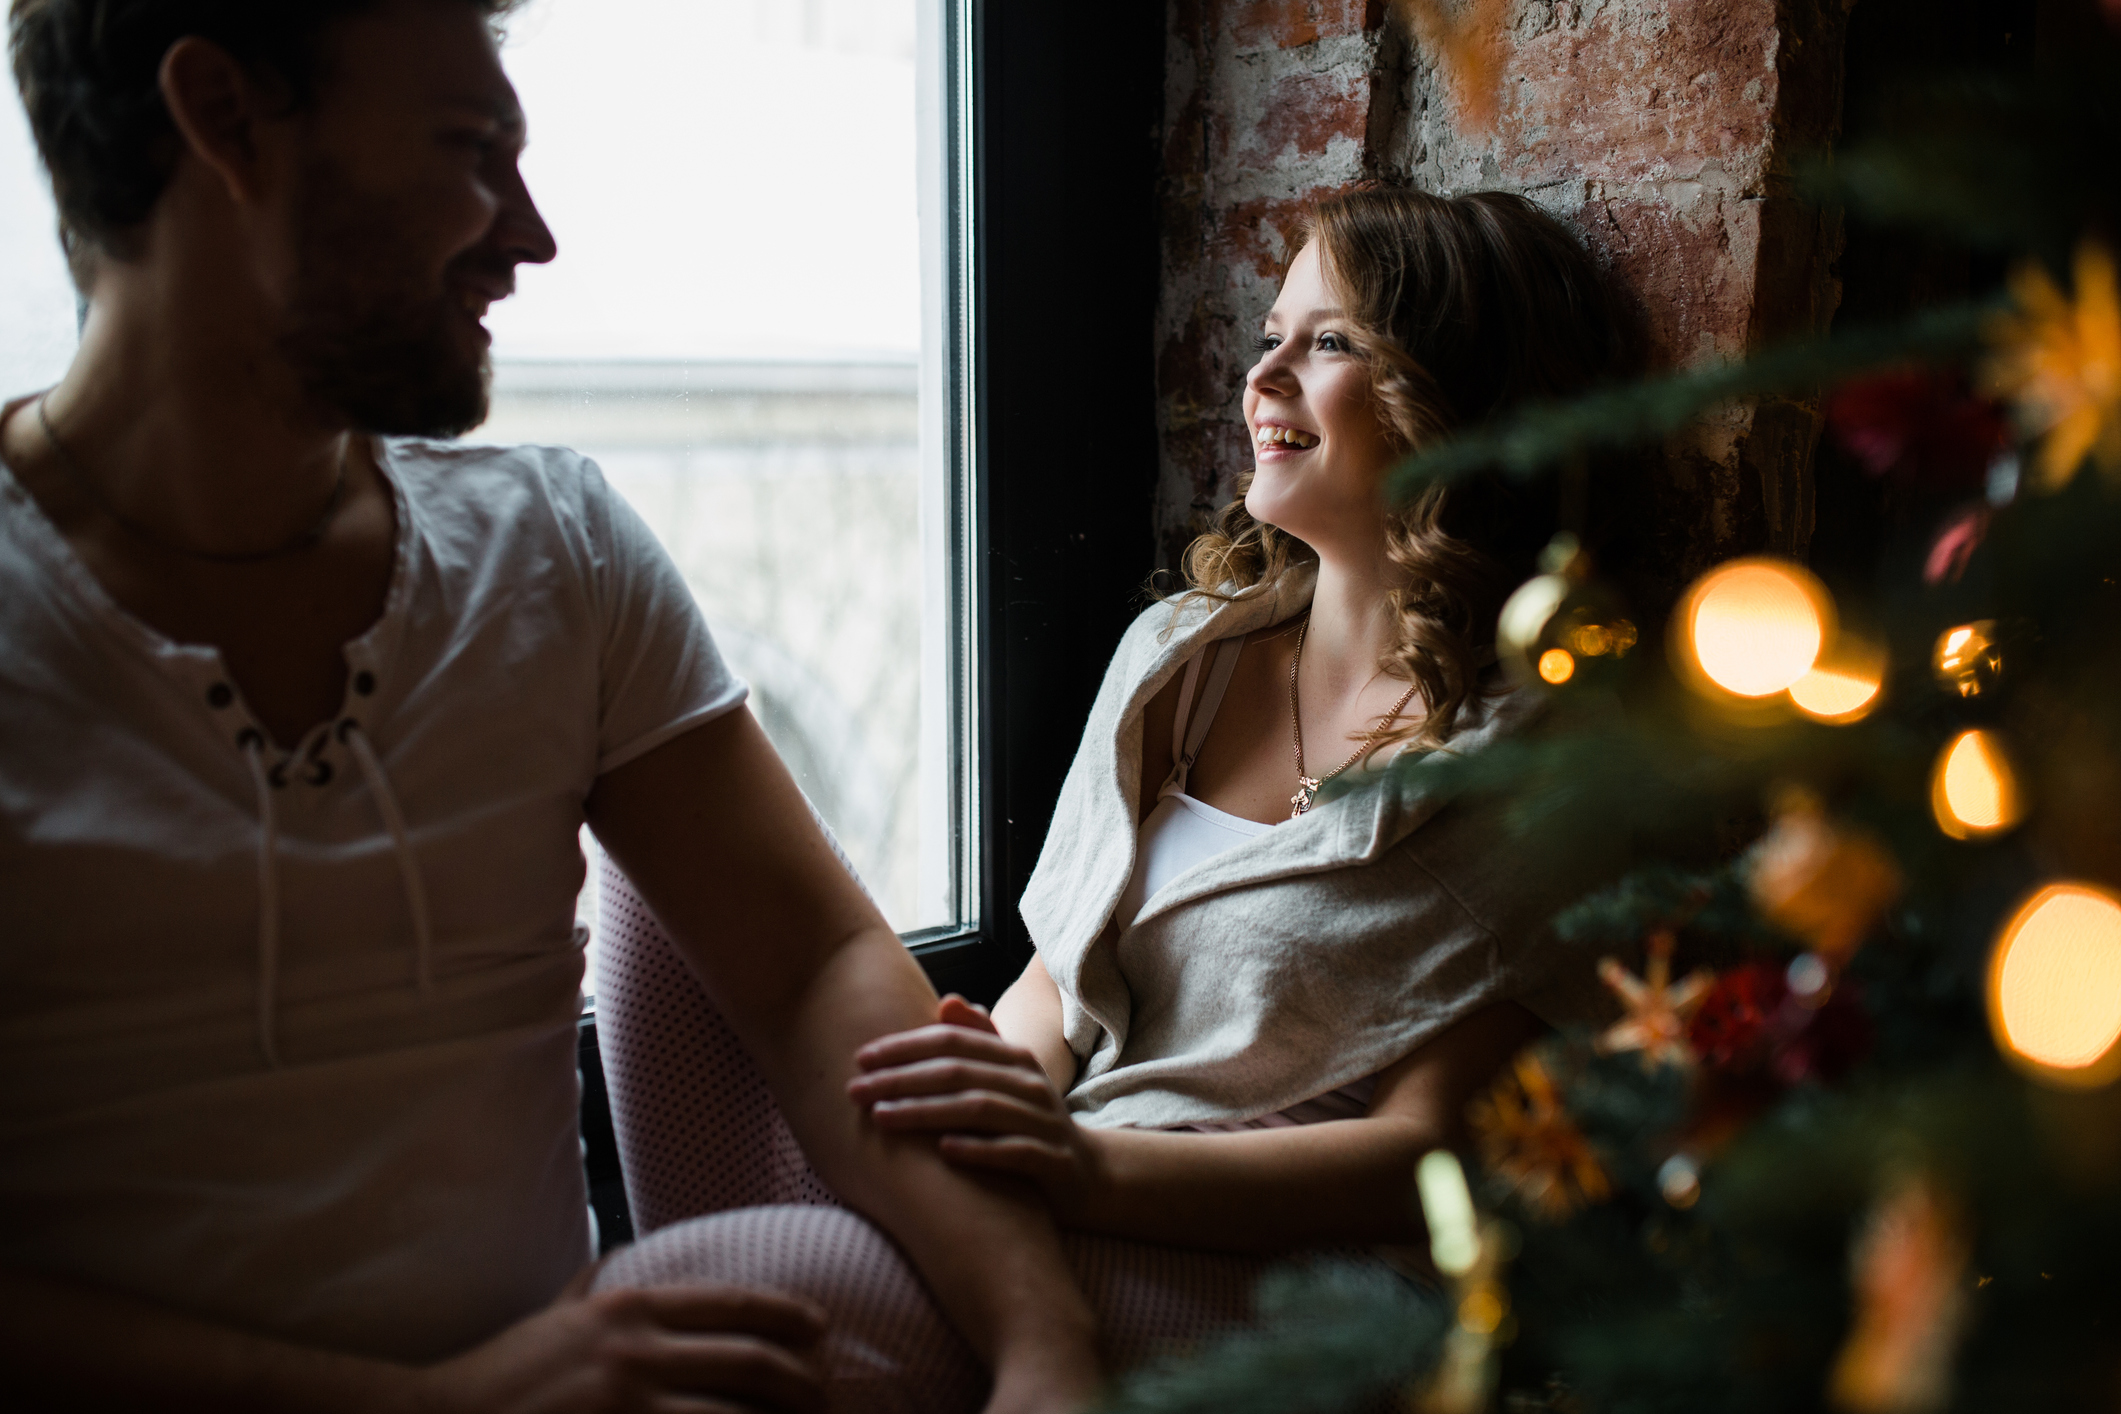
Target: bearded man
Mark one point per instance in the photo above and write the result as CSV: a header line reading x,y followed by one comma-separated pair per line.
x,y
300,713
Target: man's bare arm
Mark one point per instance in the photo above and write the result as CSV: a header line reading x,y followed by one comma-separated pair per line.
x,y
719,841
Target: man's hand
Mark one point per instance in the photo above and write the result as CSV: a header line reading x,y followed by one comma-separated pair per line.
x,y
989,1103
712,1349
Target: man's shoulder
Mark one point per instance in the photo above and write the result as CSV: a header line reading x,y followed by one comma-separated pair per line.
x,y
439,465
494,486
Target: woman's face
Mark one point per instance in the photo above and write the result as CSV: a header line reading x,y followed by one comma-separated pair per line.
x,y
1319,449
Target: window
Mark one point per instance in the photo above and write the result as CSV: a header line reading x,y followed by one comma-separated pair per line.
x,y
36,297
747,328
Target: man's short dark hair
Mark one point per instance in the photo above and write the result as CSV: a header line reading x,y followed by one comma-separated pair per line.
x,y
88,71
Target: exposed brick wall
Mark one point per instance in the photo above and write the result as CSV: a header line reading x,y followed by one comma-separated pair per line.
x,y
1661,130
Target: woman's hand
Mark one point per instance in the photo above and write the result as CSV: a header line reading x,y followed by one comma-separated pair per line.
x,y
988,1103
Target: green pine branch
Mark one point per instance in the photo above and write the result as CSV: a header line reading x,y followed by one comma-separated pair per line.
x,y
1714,903
1329,1338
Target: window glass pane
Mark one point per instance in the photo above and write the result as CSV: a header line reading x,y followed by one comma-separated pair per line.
x,y
734,331
36,297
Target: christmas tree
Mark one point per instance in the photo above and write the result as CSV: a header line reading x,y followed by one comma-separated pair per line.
x,y
1855,1141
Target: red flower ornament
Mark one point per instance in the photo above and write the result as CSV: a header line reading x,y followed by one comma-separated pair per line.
x,y
1922,427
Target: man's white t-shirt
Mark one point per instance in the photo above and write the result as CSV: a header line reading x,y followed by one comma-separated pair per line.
x,y
223,1087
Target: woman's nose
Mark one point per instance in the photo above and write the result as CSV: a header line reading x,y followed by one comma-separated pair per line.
x,y
1273,373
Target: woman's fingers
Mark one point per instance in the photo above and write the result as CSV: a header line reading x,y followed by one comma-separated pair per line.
x,y
948,1077
930,1042
978,1111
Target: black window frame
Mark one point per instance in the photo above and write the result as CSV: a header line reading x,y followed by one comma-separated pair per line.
x,y
1065,133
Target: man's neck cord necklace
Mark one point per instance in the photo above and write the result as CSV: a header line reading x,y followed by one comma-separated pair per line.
x,y
309,537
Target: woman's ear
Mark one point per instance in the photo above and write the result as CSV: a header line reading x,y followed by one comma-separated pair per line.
x,y
218,107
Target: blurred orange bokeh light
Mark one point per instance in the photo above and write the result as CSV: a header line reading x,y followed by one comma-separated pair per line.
x,y
2055,984
1755,627
1835,694
1974,791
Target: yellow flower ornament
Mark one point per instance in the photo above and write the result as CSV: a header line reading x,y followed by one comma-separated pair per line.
x,y
2060,362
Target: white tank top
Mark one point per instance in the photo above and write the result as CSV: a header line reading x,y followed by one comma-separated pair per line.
x,y
1181,832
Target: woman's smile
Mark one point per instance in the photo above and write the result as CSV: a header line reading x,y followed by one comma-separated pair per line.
x,y
1274,440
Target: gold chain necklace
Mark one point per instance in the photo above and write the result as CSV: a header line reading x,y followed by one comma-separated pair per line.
x,y
1307,786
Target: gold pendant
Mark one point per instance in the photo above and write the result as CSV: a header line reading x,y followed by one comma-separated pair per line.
x,y
1306,788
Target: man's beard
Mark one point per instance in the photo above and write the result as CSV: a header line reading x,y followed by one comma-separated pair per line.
x,y
371,341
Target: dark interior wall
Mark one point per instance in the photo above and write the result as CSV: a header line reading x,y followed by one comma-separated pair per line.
x,y
1886,273
1068,103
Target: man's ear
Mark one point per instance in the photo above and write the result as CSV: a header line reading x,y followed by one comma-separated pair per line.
x,y
218,107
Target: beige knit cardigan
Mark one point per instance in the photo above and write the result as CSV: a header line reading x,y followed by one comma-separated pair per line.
x,y
1303,959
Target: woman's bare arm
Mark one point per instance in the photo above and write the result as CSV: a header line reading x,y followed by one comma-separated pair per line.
x,y
1029,1014
987,1089
1348,1180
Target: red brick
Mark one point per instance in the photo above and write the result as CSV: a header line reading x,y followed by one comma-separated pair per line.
x,y
1291,24
1304,112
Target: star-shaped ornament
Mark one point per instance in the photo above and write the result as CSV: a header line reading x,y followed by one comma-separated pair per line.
x,y
1657,1011
1527,1137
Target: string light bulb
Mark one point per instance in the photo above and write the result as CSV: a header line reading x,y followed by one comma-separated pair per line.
x,y
1844,685
1973,788
1557,666
2054,986
1752,628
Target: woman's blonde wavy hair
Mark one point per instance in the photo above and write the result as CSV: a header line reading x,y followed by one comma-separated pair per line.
x,y
1462,307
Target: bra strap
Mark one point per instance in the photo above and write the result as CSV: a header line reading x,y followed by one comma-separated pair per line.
x,y
1211,697
1185,705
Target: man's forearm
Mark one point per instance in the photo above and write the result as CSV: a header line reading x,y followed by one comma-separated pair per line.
x,y
988,1250
68,1348
808,972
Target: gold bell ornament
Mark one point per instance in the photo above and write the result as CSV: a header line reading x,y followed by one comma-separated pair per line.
x,y
1561,623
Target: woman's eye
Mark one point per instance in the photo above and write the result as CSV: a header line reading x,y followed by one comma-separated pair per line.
x,y
1332,343
1267,341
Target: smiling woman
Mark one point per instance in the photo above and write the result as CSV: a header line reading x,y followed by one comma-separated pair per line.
x,y
1403,316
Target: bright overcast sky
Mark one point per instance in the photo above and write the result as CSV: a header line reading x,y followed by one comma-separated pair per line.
x,y
36,299
723,185
718,189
